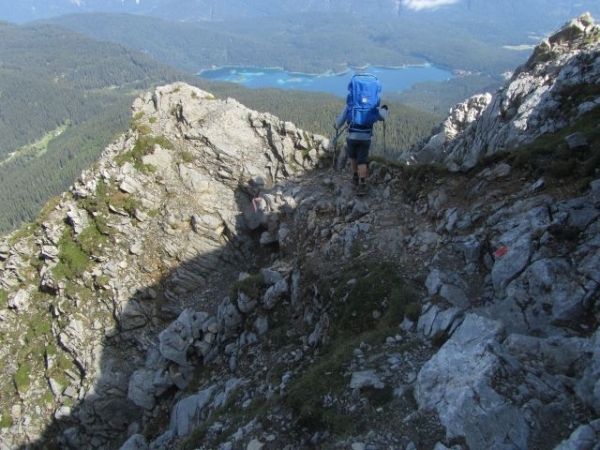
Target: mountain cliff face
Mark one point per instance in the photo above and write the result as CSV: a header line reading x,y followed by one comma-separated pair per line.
x,y
213,282
555,87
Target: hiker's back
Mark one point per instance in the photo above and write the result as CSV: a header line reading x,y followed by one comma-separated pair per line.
x,y
362,102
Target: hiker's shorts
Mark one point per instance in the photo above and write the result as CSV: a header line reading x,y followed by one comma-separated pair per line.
x,y
359,150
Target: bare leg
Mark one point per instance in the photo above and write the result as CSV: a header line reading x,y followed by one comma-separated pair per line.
x,y
362,171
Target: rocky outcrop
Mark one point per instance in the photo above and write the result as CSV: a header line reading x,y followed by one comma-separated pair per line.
x,y
542,96
156,229
213,283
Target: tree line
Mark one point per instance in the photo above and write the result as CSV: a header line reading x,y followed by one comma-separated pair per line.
x,y
311,43
53,78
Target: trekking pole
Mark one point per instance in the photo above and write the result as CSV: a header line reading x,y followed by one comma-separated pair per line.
x,y
334,144
384,146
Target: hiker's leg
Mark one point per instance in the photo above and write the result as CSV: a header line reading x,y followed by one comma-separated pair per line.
x,y
362,159
352,148
363,171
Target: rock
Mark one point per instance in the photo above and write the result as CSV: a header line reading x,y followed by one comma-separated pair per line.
x,y
141,388
436,322
275,293
489,123
511,263
20,301
131,185
135,442
4,251
588,387
254,444
188,412
176,339
585,437
365,378
134,316
577,141
456,384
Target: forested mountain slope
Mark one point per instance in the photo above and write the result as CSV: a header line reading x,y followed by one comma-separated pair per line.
x,y
308,42
66,96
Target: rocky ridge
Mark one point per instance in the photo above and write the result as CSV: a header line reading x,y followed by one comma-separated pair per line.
x,y
538,99
212,282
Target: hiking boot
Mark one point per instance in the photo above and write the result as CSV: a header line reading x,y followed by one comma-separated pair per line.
x,y
361,187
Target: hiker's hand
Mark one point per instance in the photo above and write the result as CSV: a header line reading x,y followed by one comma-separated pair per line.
x,y
384,107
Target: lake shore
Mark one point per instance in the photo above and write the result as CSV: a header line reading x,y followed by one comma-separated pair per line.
x,y
394,79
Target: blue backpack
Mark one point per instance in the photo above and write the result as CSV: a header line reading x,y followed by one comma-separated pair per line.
x,y
364,96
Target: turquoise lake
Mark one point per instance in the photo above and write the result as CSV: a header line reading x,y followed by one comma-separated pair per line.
x,y
392,79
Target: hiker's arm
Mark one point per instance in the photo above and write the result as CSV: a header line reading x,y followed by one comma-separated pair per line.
x,y
383,112
341,119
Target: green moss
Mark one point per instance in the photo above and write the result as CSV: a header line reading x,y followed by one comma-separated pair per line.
x,y
3,298
6,420
102,280
48,208
24,231
97,203
48,397
75,251
21,378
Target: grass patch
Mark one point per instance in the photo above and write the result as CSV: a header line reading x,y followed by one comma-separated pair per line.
x,y
72,260
306,393
251,286
98,205
377,300
187,157
549,156
3,299
564,233
21,378
231,413
414,177
143,146
75,252
369,301
6,420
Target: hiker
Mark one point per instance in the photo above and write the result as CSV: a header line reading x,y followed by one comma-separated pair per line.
x,y
358,141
